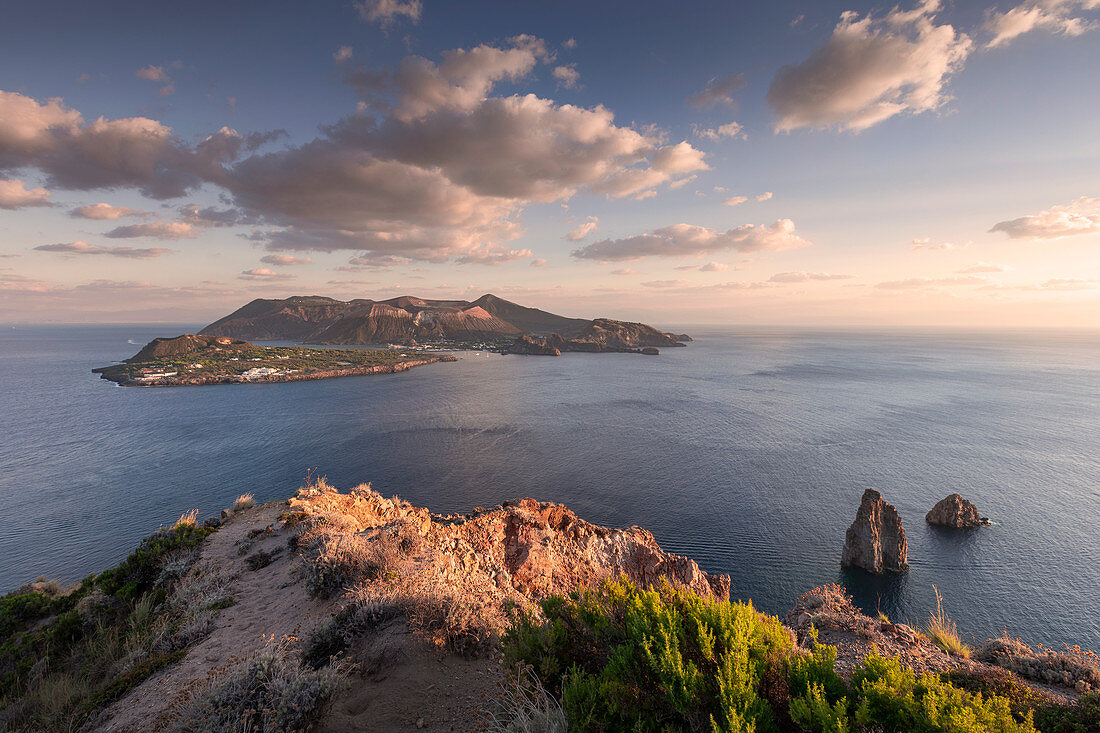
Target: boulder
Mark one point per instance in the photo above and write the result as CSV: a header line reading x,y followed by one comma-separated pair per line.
x,y
651,351
956,512
876,539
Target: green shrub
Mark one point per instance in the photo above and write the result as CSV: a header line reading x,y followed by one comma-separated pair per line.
x,y
626,658
894,698
1084,717
813,711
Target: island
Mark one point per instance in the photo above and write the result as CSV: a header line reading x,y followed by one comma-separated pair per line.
x,y
192,359
488,322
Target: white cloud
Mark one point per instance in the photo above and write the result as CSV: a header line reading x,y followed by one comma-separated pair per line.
x,y
1069,284
735,200
1081,216
14,194
567,76
582,230
666,283
870,70
342,54
539,262
104,212
285,260
730,129
763,196
569,44
83,248
801,277
1057,16
386,12
925,243
708,267
718,91
624,271
155,230
264,274
681,240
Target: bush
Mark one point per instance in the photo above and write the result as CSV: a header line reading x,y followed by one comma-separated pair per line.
x,y
244,501
272,693
526,707
894,698
1074,667
626,658
1084,717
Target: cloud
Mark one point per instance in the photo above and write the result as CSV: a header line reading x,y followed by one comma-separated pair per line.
x,y
708,267
208,217
870,70
130,152
681,240
567,76
982,267
264,274
730,129
624,271
83,248
1057,16
922,283
569,44
735,200
155,230
1081,216
1069,284
763,196
492,256
104,212
14,194
925,243
665,283
718,91
285,260
801,277
152,73
342,54
539,263
386,12
582,230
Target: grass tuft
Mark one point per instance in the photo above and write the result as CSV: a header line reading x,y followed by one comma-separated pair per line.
x,y
187,519
244,501
943,631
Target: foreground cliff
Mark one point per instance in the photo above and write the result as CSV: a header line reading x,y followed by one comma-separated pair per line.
x,y
410,320
354,611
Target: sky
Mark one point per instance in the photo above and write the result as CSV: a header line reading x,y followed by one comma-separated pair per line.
x,y
799,163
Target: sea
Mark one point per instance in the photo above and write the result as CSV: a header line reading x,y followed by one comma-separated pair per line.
x,y
748,451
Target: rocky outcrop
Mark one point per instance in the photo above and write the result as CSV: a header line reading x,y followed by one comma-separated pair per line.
x,y
955,512
651,351
876,539
516,553
532,346
187,344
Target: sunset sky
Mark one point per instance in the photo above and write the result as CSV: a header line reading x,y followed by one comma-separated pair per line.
x,y
804,163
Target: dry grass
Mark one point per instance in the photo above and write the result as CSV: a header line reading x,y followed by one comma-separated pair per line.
x,y
1073,667
244,501
943,631
187,519
526,707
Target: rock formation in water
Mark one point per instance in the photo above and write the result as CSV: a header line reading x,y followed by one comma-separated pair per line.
x,y
876,539
409,320
956,512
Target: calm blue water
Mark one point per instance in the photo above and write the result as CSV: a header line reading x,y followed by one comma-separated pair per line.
x,y
748,451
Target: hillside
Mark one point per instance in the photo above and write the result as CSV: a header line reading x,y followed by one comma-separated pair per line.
x,y
410,320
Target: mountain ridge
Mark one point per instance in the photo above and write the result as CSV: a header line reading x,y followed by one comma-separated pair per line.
x,y
411,320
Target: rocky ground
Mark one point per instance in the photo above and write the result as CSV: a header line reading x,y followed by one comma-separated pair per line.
x,y
422,597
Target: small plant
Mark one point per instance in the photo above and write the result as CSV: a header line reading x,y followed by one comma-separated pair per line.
x,y
187,519
244,501
274,692
943,631
526,707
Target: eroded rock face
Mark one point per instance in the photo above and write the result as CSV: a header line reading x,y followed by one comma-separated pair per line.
x,y
521,551
876,539
956,512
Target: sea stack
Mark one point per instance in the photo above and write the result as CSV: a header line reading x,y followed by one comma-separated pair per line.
x,y
876,540
956,512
